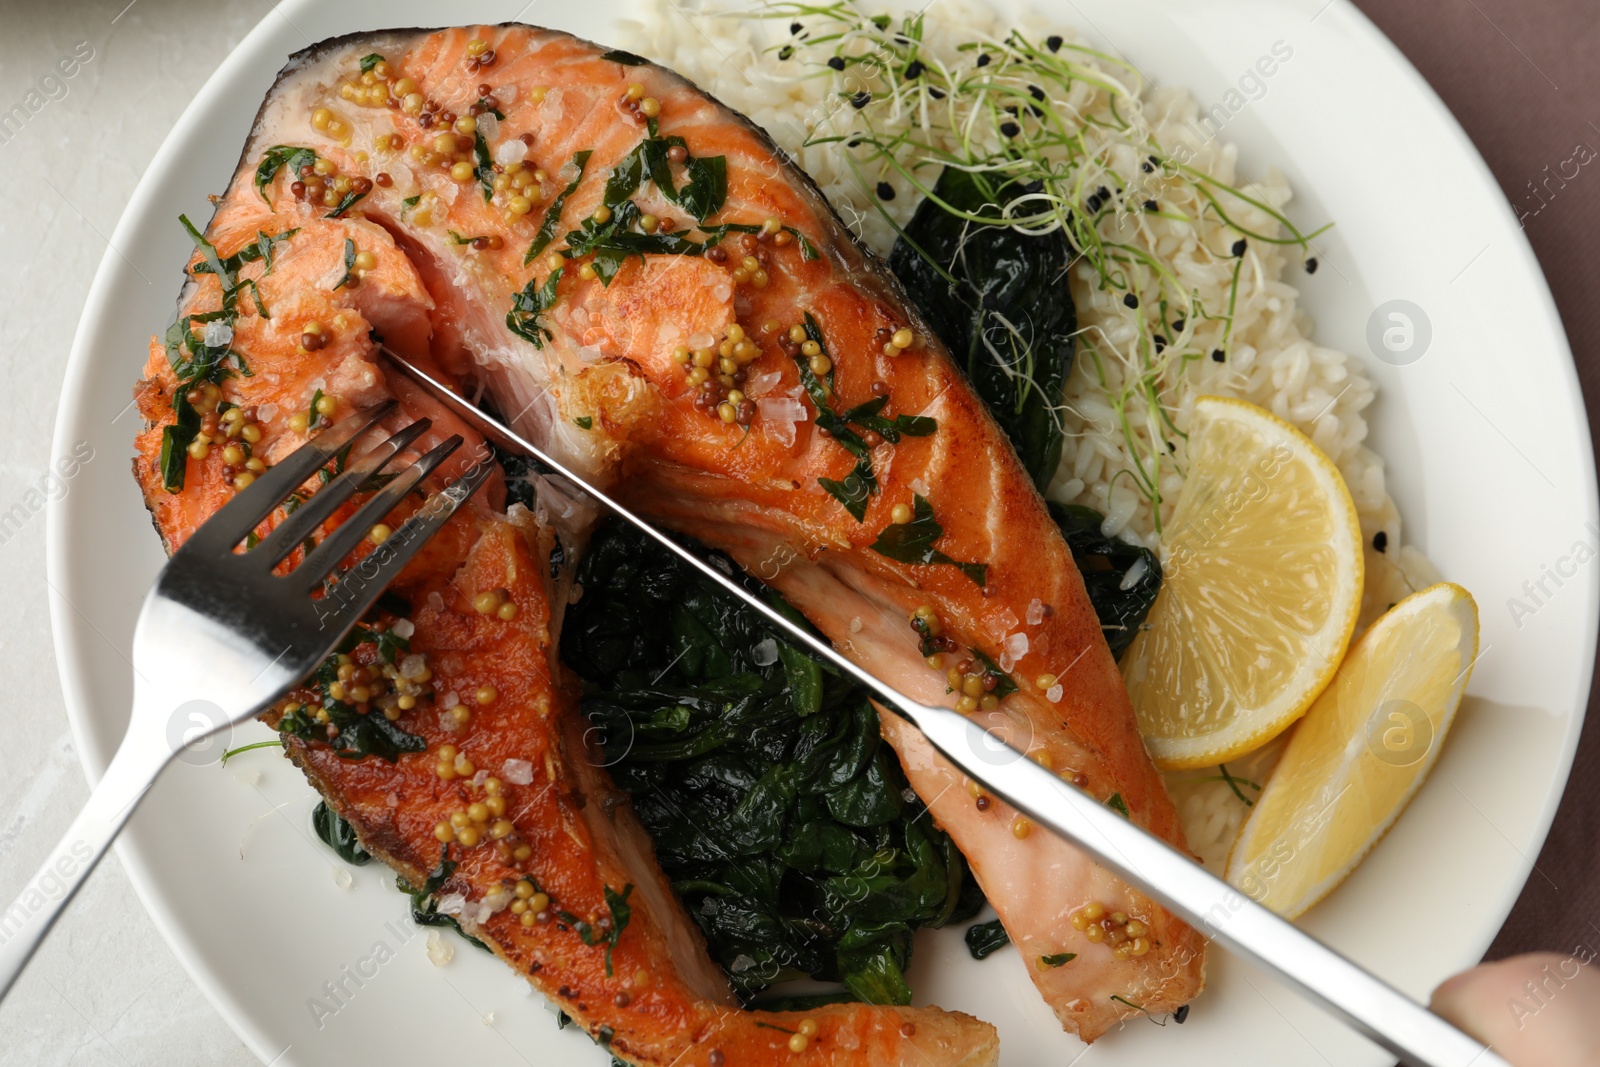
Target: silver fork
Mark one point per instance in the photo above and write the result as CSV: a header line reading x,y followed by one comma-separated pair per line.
x,y
223,634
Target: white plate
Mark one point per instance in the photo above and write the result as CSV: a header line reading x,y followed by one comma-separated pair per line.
x,y
1490,462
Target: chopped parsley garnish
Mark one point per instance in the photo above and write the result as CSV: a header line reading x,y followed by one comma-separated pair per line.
x,y
278,157
359,736
1118,805
370,61
424,906
195,360
407,204
912,542
614,240
808,251
349,264
814,333
609,935
526,307
854,489
552,215
1004,686
485,168
261,252
345,203
584,422
707,188
867,417
175,442
704,191
1056,959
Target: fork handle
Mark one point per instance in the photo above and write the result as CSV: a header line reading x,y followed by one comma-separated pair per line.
x,y
25,923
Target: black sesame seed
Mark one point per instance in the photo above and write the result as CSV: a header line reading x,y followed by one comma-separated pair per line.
x,y
1036,112
1380,541
1010,129
1053,42
861,100
983,59
1177,325
1093,203
1130,300
1161,342
1036,92
1010,109
1103,193
914,69
1311,265
1172,448
1239,247
786,51
836,62
1181,1015
937,94
1218,354
854,142
1151,205
795,27
1147,167
885,191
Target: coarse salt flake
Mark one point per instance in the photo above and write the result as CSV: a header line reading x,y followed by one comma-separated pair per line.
x,y
517,771
512,151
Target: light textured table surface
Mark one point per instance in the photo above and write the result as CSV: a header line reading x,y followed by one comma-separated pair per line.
x,y
105,989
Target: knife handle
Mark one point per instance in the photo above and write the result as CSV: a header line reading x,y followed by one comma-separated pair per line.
x,y
1213,907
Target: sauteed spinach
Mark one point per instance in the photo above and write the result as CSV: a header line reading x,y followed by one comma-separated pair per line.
x,y
783,820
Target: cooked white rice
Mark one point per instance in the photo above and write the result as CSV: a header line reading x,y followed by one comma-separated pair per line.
x,y
1273,361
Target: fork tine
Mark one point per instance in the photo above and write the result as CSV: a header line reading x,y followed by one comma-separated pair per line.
x,y
338,544
234,520
305,519
359,585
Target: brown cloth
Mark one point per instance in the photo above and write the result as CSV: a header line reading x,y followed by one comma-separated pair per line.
x,y
1523,78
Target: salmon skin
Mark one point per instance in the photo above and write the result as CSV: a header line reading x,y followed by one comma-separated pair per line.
x,y
650,291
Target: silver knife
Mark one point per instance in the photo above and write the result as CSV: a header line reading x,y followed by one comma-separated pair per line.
x,y
1206,902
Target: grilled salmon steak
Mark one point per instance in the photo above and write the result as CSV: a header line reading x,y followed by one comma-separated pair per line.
x,y
647,288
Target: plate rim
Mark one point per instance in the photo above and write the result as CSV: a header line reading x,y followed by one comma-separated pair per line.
x,y
73,660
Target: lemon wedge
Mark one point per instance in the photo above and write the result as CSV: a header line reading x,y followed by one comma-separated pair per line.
x,y
1360,752
1261,586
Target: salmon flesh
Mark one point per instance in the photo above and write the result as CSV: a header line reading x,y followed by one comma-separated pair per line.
x,y
648,289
